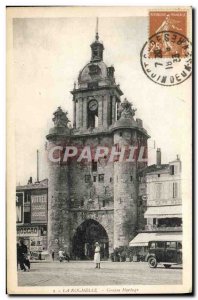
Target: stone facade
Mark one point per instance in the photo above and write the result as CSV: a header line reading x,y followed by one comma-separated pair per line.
x,y
93,201
160,196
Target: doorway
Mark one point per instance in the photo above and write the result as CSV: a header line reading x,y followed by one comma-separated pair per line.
x,y
85,237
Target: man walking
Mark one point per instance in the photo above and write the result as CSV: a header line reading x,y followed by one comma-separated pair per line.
x,y
23,256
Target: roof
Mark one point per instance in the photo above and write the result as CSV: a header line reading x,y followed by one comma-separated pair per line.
x,y
169,211
142,239
43,184
128,123
154,169
84,75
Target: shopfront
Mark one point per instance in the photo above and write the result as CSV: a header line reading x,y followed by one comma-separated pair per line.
x,y
35,237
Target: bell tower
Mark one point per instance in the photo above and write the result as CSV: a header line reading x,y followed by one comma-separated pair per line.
x,y
96,47
96,97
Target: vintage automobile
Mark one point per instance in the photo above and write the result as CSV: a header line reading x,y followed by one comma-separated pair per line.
x,y
167,253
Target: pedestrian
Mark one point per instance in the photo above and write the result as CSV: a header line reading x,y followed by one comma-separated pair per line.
x,y
53,255
23,256
61,255
97,255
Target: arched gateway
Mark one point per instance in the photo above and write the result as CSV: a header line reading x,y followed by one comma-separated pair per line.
x,y
89,232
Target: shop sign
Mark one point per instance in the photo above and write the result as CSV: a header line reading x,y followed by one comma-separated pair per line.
x,y
27,231
36,248
39,208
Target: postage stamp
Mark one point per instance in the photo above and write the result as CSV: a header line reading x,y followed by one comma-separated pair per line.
x,y
167,56
167,21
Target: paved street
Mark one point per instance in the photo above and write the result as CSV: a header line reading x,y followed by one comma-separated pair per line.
x,y
83,273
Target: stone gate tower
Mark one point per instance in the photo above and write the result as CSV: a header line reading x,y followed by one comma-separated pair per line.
x,y
94,200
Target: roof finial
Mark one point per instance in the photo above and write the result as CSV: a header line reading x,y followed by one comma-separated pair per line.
x,y
97,36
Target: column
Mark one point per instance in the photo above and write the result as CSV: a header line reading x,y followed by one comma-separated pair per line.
x,y
113,109
84,117
105,111
74,112
100,111
80,112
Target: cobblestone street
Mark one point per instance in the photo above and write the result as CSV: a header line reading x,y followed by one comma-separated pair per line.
x,y
83,273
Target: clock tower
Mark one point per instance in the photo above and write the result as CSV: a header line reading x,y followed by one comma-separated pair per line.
x,y
96,97
94,199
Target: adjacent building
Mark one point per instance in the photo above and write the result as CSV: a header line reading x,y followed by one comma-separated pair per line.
x,y
31,215
161,202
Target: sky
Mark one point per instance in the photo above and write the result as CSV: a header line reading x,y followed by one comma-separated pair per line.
x,y
48,54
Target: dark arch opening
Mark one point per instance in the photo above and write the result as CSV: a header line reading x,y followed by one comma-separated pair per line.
x,y
85,237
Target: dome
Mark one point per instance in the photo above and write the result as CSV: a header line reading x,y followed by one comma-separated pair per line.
x,y
125,123
59,131
96,71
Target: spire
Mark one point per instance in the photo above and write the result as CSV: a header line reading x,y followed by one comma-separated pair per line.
x,y
97,35
97,47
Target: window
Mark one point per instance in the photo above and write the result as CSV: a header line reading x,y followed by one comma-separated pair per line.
x,y
160,245
94,69
110,179
154,221
175,190
179,245
27,198
43,230
87,178
172,170
158,175
94,178
27,217
120,133
171,245
103,203
101,178
131,178
82,202
110,111
158,190
94,166
152,245
92,85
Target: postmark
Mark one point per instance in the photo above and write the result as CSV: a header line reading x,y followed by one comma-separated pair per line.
x,y
166,58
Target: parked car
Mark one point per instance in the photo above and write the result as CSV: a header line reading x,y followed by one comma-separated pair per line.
x,y
167,253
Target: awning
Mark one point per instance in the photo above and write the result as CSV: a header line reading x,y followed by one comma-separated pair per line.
x,y
142,239
172,211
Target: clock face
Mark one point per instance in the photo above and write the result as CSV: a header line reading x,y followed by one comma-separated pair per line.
x,y
93,105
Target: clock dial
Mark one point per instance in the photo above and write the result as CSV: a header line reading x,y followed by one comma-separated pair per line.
x,y
93,105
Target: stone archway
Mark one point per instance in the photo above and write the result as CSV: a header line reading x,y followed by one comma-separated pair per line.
x,y
85,237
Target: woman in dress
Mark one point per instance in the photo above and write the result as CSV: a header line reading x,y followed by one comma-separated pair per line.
x,y
97,255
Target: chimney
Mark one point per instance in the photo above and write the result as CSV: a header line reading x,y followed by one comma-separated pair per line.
x,y
139,122
110,71
158,157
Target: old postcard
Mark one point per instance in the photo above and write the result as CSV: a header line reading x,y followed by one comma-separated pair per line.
x,y
99,150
